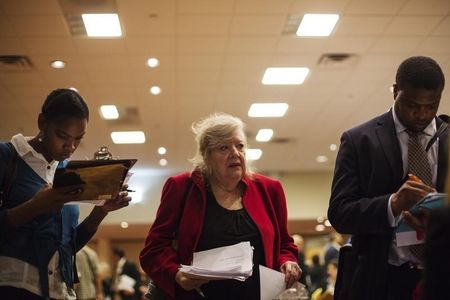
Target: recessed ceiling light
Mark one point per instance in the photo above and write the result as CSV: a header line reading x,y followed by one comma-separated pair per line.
x,y
253,154
58,64
271,110
128,137
320,227
285,75
102,25
317,24
124,224
327,223
163,162
321,159
320,219
152,62
109,112
391,89
264,135
162,150
155,90
333,147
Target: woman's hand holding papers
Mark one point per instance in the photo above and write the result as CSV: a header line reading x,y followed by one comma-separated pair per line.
x,y
291,272
189,282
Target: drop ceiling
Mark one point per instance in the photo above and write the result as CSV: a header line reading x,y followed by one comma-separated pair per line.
x,y
213,54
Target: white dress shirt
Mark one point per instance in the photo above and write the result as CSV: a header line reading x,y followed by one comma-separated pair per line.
x,y
401,255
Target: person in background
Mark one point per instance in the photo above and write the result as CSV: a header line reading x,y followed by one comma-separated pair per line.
x,y
317,275
299,241
90,282
371,188
332,248
127,279
220,203
39,235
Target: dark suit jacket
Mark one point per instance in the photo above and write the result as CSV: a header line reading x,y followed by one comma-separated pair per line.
x,y
368,170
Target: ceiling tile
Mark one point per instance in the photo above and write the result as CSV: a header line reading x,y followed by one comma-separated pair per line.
x,y
51,46
395,45
208,7
361,25
429,7
99,46
262,6
199,45
40,26
380,7
30,7
203,25
258,25
413,25
240,45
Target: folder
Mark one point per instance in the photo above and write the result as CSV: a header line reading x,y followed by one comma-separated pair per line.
x,y
101,180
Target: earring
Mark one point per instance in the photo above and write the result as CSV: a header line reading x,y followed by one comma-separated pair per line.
x,y
39,138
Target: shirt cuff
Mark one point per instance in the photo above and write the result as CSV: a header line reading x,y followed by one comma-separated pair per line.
x,y
393,221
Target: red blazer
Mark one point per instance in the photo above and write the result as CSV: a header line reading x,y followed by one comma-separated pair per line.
x,y
182,210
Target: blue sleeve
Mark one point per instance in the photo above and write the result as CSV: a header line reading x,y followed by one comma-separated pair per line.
x,y
5,157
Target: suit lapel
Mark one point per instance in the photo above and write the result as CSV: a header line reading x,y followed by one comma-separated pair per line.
x,y
388,141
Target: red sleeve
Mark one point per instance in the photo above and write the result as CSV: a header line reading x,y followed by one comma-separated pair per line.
x,y
158,258
288,250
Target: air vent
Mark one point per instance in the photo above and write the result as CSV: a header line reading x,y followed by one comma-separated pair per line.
x,y
338,60
127,116
15,63
291,25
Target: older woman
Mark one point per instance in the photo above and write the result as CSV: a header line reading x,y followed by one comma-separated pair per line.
x,y
220,203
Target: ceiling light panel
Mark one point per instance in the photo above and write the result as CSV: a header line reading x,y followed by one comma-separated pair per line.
x,y
102,25
317,25
264,135
109,112
128,137
253,154
269,110
285,75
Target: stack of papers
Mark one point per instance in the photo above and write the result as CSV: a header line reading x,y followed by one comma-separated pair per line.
x,y
230,262
404,233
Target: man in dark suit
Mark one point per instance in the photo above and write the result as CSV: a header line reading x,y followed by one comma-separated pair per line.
x,y
371,190
125,270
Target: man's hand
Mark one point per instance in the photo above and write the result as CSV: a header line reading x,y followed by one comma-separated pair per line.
x,y
187,282
408,195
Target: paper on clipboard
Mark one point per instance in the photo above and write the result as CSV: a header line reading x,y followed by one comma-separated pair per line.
x,y
101,180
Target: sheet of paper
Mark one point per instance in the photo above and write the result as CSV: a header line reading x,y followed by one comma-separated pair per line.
x,y
126,283
230,262
272,283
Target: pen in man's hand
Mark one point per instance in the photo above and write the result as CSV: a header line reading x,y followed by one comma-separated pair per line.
x,y
199,291
130,191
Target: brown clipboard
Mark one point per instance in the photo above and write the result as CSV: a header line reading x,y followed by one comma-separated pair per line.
x,y
99,179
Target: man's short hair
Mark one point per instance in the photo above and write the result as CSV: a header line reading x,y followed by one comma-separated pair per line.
x,y
420,72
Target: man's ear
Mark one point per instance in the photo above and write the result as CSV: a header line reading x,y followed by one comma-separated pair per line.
x,y
42,122
395,90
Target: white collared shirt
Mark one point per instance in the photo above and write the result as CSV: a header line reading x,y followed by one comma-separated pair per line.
x,y
401,255
20,274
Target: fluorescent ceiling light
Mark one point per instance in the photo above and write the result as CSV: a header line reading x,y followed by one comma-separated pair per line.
x,y
58,64
285,75
253,154
128,137
264,135
102,25
317,24
152,62
271,110
109,112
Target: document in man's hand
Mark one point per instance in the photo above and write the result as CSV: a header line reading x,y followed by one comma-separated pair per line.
x,y
101,180
229,262
406,235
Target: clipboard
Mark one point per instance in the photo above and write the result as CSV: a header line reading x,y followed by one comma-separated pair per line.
x,y
101,179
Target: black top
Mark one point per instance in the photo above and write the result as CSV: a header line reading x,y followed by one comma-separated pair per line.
x,y
223,227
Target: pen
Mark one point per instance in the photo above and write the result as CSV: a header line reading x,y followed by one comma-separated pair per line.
x,y
199,291
130,191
